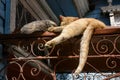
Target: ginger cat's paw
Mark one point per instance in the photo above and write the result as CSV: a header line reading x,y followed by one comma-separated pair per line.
x,y
49,44
51,29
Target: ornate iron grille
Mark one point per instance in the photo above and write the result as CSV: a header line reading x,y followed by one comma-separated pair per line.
x,y
30,60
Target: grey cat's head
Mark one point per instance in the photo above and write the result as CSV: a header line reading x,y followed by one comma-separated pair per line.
x,y
41,25
49,23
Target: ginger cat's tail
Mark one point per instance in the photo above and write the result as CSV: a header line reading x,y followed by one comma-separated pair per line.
x,y
84,49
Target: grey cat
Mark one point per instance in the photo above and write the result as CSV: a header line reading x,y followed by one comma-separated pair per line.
x,y
41,25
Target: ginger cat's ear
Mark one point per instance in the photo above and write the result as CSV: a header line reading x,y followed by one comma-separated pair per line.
x,y
61,17
77,18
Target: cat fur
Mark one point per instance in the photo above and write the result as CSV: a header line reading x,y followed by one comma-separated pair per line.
x,y
64,21
40,25
83,26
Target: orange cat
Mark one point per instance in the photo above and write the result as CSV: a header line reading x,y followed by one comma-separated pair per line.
x,y
64,21
75,28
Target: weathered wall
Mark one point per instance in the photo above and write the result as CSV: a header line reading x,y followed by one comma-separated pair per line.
x,y
67,8
4,28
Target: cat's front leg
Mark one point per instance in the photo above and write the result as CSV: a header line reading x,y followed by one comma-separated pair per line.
x,y
55,41
55,29
50,44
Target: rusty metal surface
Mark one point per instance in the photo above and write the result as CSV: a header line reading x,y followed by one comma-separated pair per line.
x,y
104,53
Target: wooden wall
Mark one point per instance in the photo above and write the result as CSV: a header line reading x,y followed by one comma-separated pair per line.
x,y
67,8
4,28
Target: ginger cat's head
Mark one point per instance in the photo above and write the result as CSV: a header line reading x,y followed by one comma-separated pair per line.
x,y
67,20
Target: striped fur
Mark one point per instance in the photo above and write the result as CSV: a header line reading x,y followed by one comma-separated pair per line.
x,y
39,25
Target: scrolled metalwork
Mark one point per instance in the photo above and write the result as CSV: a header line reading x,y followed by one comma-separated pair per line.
x,y
34,70
111,63
37,47
100,48
117,43
103,46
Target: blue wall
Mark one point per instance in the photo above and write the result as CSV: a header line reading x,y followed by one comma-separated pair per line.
x,y
67,8
2,15
4,28
96,13
63,7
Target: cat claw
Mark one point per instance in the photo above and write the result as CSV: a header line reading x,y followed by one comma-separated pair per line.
x,y
48,46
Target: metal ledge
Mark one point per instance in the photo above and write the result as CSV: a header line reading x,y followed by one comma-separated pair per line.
x,y
104,53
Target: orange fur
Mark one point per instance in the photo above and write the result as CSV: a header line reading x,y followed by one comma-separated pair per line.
x,y
67,20
75,28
